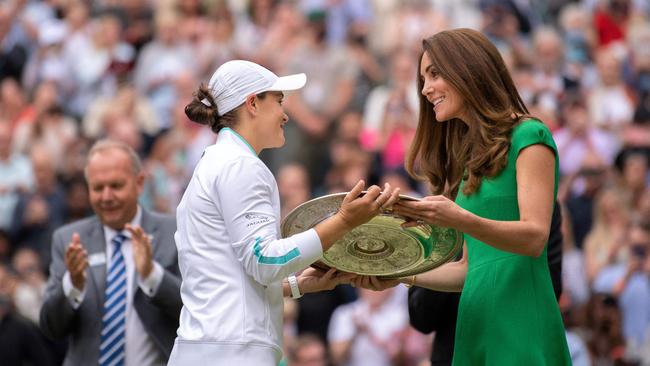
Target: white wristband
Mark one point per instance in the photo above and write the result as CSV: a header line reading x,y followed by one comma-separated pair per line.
x,y
293,283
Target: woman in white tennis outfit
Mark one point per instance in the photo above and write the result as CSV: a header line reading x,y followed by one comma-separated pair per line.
x,y
235,266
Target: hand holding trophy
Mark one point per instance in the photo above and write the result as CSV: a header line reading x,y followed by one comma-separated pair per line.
x,y
382,246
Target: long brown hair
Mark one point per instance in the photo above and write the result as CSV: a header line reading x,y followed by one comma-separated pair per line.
x,y
444,153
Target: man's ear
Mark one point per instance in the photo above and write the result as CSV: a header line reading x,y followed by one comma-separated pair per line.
x,y
251,104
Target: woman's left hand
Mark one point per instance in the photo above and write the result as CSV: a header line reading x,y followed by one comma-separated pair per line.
x,y
315,280
432,210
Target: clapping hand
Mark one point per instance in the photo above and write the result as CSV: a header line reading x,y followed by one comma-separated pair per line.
x,y
142,252
76,261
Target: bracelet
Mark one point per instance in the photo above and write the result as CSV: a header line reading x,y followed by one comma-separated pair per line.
x,y
410,283
293,284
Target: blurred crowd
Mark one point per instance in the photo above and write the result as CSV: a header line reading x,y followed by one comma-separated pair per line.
x,y
74,71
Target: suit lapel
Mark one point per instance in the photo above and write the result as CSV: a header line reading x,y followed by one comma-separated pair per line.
x,y
95,244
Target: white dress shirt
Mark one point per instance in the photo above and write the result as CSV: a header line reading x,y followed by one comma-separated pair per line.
x,y
140,349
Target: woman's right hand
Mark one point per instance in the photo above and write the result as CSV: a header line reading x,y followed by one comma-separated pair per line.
x,y
373,283
356,210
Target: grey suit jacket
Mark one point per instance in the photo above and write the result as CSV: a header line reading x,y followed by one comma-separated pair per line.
x,y
159,313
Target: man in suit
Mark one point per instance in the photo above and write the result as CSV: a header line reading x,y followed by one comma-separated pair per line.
x,y
114,284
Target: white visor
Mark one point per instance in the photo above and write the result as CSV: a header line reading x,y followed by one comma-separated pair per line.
x,y
235,80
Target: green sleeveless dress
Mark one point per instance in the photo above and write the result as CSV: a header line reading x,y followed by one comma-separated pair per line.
x,y
508,314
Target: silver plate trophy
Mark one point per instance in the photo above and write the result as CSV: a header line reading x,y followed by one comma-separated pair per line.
x,y
380,247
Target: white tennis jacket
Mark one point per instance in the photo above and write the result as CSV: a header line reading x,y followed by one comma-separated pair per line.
x,y
233,261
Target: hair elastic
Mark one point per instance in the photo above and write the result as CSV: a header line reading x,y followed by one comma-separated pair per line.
x,y
206,102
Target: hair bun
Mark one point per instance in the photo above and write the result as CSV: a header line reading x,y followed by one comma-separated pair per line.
x,y
198,110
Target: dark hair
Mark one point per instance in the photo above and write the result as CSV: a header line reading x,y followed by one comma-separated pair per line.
x,y
444,153
209,115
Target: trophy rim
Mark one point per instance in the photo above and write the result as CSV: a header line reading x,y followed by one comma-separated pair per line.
x,y
293,212
426,265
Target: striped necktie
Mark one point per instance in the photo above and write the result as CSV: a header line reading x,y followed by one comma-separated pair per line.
x,y
111,349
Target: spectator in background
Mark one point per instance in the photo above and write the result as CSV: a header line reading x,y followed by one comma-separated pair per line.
x,y
575,287
193,21
629,282
365,332
166,176
15,42
16,176
5,247
605,339
349,163
579,137
76,15
408,23
126,102
122,260
603,244
307,350
610,101
52,130
609,20
13,104
638,133
547,59
349,126
389,119
98,61
195,138
644,204
75,159
345,16
49,62
30,288
39,213
138,30
332,74
579,192
253,26
76,199
20,341
45,97
217,44
633,165
370,70
315,309
294,187
122,127
283,37
579,39
160,63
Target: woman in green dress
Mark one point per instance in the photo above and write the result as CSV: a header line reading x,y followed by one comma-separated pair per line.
x,y
476,143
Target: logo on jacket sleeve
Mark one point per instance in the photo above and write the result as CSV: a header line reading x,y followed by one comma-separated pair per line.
x,y
256,219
